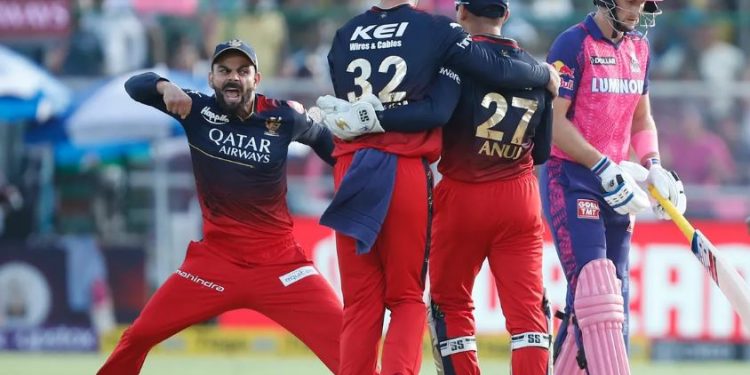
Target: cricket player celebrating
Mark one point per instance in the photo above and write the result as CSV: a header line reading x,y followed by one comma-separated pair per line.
x,y
383,204
488,207
248,257
589,200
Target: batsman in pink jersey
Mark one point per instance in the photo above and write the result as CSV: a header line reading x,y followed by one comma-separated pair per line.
x,y
589,189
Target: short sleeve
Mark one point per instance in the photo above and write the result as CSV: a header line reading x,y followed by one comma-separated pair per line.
x,y
564,56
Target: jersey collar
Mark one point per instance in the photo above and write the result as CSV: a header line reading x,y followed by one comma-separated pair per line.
x,y
497,39
379,9
590,24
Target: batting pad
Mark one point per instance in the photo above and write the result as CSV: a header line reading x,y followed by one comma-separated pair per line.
x,y
566,363
599,308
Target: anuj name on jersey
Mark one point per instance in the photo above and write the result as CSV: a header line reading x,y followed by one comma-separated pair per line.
x,y
241,145
501,150
362,37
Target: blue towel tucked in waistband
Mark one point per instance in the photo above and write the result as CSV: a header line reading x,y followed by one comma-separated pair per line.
x,y
361,203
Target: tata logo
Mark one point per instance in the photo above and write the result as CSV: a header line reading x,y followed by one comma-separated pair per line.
x,y
213,118
389,30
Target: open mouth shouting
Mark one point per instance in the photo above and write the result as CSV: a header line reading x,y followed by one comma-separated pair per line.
x,y
232,94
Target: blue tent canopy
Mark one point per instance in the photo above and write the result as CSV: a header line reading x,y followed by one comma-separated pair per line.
x,y
28,92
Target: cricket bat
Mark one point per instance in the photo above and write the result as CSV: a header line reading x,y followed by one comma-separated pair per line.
x,y
724,275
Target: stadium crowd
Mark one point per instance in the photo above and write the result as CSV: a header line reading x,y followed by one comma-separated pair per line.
x,y
705,132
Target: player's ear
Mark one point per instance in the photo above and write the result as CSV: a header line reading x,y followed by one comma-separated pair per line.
x,y
211,79
507,15
257,78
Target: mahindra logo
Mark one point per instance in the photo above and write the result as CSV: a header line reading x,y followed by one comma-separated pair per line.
x,y
213,118
198,280
386,31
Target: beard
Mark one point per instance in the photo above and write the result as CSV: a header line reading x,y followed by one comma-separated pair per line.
x,y
232,98
622,25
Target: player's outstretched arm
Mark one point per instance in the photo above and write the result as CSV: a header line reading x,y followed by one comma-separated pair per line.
x,y
142,88
156,91
433,111
309,130
368,115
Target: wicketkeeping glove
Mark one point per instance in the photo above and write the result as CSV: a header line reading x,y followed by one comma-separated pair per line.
x,y
349,120
669,186
621,191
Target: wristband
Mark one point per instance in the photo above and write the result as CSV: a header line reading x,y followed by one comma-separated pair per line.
x,y
645,143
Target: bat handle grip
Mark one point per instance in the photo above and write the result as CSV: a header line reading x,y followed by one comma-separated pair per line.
x,y
676,216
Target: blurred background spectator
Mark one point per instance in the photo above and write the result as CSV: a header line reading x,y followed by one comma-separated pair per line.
x,y
10,200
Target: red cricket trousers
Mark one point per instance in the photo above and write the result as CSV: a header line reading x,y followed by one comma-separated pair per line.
x,y
499,221
292,294
391,276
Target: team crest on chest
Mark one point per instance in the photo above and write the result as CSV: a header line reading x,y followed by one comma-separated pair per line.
x,y
635,66
272,125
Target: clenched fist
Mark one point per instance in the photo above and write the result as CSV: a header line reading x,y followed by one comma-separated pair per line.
x,y
176,100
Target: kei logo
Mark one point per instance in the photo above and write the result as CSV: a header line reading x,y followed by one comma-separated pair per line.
x,y
272,126
588,209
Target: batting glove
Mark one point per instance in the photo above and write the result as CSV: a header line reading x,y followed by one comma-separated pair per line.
x,y
350,120
621,191
669,186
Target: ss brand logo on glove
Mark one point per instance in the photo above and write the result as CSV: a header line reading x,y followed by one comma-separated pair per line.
x,y
363,116
350,120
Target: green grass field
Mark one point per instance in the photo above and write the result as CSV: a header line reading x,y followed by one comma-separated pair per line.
x,y
80,364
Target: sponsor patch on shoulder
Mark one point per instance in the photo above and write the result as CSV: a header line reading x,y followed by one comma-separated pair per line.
x,y
588,209
297,275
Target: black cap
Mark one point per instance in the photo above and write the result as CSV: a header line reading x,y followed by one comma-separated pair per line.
x,y
485,8
235,45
